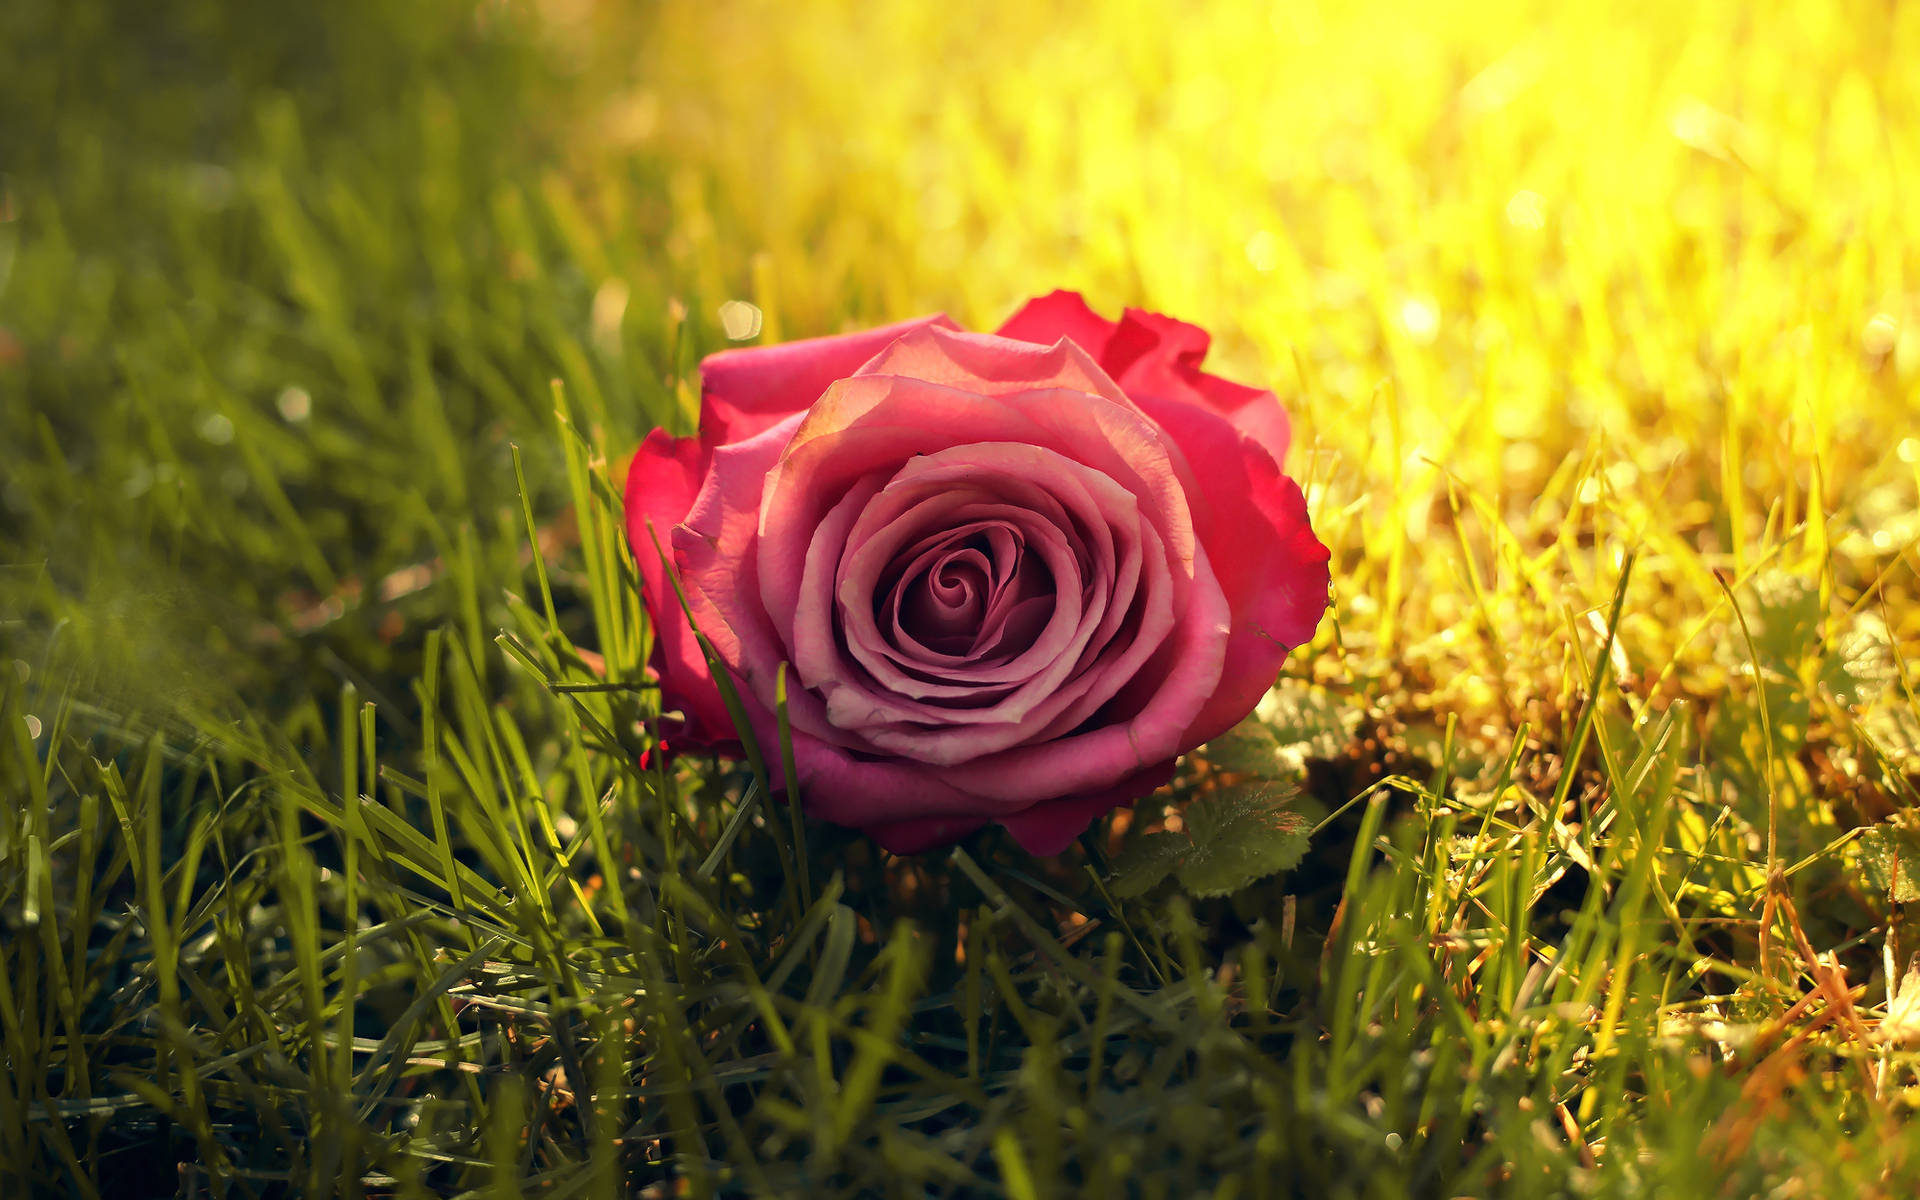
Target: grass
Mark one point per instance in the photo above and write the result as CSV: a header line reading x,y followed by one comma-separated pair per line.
x,y
330,865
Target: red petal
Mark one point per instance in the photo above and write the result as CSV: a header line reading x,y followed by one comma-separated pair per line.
x,y
1060,314
745,391
661,483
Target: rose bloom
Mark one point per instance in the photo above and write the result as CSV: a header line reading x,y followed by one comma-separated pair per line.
x,y
1013,576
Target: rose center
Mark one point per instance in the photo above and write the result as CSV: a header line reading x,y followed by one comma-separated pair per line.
x,y
971,595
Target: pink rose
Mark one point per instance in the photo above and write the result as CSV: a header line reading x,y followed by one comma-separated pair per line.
x,y
1014,575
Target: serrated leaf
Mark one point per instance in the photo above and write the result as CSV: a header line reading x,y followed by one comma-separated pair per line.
x,y
1145,861
1296,721
1239,835
1860,667
1783,612
1307,721
1891,858
1895,731
1249,748
1231,837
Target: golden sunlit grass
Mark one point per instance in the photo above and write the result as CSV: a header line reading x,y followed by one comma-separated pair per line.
x,y
1542,283
332,870
1546,287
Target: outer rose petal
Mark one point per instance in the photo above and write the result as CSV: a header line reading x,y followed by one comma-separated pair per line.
x,y
1048,828
745,391
1249,515
715,547
662,481
1255,412
1273,570
1042,831
920,834
1154,355
1061,314
1252,518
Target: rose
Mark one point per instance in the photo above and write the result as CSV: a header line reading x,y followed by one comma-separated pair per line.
x,y
1012,577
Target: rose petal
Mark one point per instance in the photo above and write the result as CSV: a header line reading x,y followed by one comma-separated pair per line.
x,y
661,483
1273,571
1012,581
1289,597
715,549
870,423
809,628
990,365
947,598
920,834
897,698
1149,354
745,391
947,496
1060,314
1074,678
1139,600
1164,707
1049,827
1250,515
855,789
1255,412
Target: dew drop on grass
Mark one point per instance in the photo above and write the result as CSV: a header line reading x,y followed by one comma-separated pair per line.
x,y
1527,210
740,320
1263,251
610,309
216,428
1520,458
295,404
1880,336
1420,319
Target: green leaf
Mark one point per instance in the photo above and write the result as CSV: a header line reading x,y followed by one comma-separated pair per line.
x,y
1239,835
1147,860
1232,837
1890,855
1895,730
1249,748
1296,721
1860,667
1783,611
1765,715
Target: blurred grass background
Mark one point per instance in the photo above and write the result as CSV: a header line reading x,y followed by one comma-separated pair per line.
x,y
317,882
